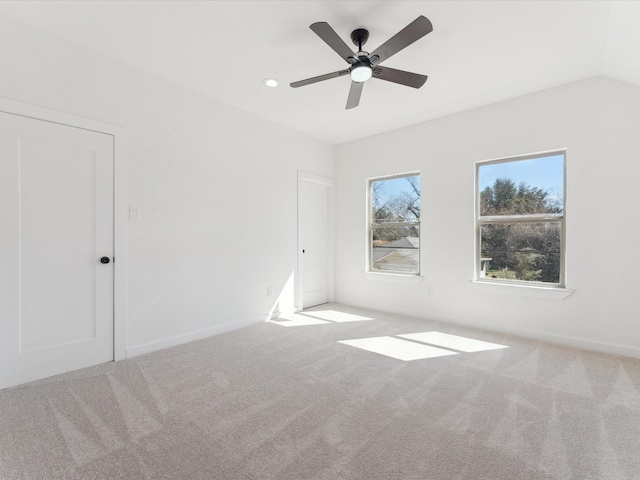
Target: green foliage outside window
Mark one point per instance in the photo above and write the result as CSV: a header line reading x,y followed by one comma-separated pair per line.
x,y
528,251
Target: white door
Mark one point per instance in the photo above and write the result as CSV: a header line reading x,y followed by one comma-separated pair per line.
x,y
314,236
56,220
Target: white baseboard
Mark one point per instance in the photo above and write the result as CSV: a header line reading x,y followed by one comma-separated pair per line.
x,y
572,342
519,332
190,337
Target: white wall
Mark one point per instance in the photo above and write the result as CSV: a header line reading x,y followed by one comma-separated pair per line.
x,y
217,191
216,187
598,121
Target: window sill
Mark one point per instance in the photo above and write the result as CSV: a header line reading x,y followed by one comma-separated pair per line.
x,y
547,293
393,277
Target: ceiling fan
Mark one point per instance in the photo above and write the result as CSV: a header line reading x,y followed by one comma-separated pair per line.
x,y
365,65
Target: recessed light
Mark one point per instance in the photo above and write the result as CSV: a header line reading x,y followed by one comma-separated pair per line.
x,y
271,82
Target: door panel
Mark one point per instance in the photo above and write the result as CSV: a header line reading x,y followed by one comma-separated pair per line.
x,y
314,222
56,212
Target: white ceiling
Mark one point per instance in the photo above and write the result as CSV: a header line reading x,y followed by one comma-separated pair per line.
x,y
480,52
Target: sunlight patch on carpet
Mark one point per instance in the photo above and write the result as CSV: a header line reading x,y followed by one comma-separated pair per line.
x,y
453,342
296,320
335,316
397,348
316,317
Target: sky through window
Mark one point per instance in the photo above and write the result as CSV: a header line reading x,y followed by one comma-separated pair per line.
x,y
546,173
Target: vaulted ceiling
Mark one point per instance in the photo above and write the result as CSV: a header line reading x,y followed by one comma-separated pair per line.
x,y
479,52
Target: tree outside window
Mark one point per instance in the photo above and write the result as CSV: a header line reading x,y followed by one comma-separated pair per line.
x,y
394,237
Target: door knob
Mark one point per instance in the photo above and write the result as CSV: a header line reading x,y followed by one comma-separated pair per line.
x,y
105,260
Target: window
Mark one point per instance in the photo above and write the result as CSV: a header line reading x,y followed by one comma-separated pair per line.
x,y
521,220
394,233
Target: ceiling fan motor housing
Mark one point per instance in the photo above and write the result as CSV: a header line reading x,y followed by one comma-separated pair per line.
x,y
361,60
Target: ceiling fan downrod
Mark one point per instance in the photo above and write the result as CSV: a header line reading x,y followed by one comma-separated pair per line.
x,y
359,36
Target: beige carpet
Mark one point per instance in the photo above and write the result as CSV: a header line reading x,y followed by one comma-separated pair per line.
x,y
288,400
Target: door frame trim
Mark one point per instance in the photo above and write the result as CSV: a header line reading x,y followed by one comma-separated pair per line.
x,y
119,135
330,183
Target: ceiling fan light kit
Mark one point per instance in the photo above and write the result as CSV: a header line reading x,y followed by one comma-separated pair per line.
x,y
361,73
363,65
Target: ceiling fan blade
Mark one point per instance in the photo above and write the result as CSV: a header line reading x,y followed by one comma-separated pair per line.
x,y
354,94
331,38
319,78
405,37
409,79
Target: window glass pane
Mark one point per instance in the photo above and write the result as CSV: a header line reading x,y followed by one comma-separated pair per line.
x,y
396,200
521,251
396,249
515,187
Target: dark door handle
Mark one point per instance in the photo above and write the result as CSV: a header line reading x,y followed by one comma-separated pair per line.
x,y
105,260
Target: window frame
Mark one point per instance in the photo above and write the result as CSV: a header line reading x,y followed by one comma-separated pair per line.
x,y
559,218
371,224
